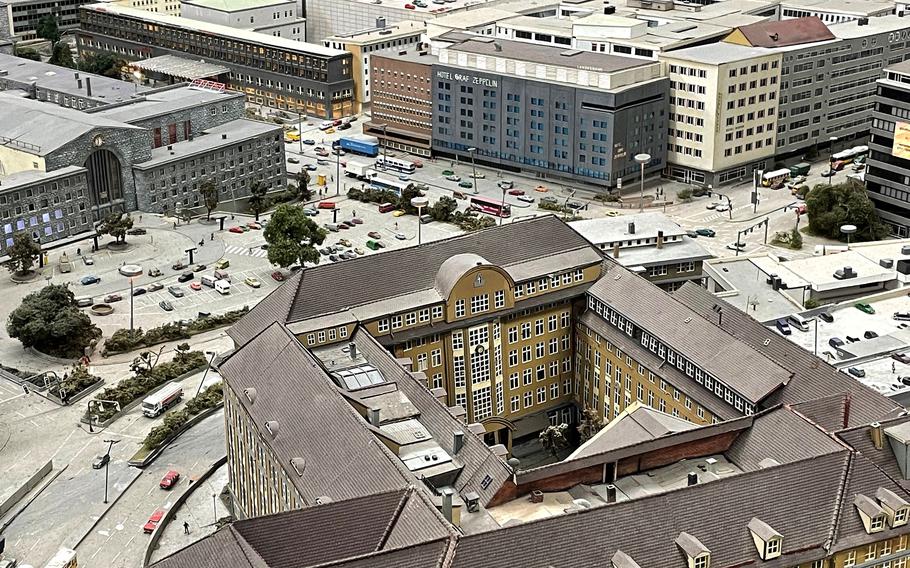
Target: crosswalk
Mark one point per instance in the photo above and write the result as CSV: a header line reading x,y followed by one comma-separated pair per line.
x,y
247,251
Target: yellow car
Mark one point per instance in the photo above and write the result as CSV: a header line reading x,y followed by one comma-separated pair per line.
x,y
330,131
398,213
223,263
252,282
612,214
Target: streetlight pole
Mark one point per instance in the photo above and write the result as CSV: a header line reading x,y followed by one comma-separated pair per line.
x,y
472,149
642,159
337,170
214,507
833,140
107,463
299,132
419,202
503,204
131,303
207,367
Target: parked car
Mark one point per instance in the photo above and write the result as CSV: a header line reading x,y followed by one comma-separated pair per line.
x,y
453,177
136,231
222,263
851,339
864,307
235,230
310,167
169,480
400,236
84,302
783,326
344,242
153,521
542,189
516,192
357,220
90,279
254,225
705,232
293,160
154,272
252,282
737,246
827,173
310,211
309,142
825,316
199,268
465,184
398,213
692,234
526,198
278,276
155,287
333,257
101,461
111,298
175,291
835,342
901,316
196,286
166,306
447,173
139,291
710,205
374,235
507,184
179,265
88,260
185,277
856,372
870,335
902,357
478,175
722,207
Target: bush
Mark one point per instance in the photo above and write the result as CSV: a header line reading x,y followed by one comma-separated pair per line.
x,y
811,304
802,191
124,340
174,420
470,221
684,194
133,388
77,380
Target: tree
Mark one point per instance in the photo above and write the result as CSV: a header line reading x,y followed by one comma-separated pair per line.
x,y
292,237
62,55
27,53
101,64
830,207
303,186
404,202
554,438
116,225
443,209
591,423
49,321
257,198
209,197
22,253
48,28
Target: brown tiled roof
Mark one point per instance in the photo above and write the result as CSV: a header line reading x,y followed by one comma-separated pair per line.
x,y
786,32
272,308
727,358
221,549
782,435
716,513
812,377
477,458
292,388
860,439
333,287
828,412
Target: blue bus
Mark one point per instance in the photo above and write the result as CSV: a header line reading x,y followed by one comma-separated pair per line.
x,y
363,145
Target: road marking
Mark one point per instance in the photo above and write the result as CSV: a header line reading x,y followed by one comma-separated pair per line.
x,y
63,444
254,251
20,395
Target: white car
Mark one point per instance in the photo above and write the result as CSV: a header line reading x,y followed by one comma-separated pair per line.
x,y
400,236
526,198
722,207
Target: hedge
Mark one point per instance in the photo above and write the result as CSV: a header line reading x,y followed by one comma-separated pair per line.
x,y
175,419
134,388
125,340
76,381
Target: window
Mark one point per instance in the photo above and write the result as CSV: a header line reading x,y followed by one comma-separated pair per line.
x,y
479,304
702,561
477,335
459,308
541,395
513,381
529,399
410,319
772,548
396,322
513,334
900,516
437,312
499,299
458,369
850,559
383,326
515,404
877,523
457,340
437,357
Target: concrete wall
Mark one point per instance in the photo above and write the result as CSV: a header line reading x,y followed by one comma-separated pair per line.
x,y
29,484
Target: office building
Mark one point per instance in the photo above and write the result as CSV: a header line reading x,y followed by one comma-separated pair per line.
x,y
169,7
565,114
723,112
365,44
650,245
888,166
277,18
401,111
272,71
19,18
836,11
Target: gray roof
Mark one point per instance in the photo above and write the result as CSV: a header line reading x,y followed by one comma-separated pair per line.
x,y
691,545
273,308
40,128
688,249
622,560
611,229
860,439
453,268
762,529
641,424
221,136
63,80
181,67
719,53
725,357
890,498
536,53
292,388
30,177
164,101
812,376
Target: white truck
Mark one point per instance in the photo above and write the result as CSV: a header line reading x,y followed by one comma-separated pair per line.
x,y
223,287
357,169
166,397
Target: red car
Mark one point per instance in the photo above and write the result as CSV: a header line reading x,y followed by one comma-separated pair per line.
x,y
170,479
516,192
254,225
417,163
326,205
374,235
409,7
357,221
196,286
235,230
278,276
153,521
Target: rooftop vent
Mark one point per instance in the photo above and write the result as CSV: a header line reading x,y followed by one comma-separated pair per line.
x,y
609,10
272,427
374,417
905,249
457,441
774,36
581,503
768,462
497,46
844,273
380,22
692,478
472,501
632,228
862,22
886,263
570,52
250,394
299,464
224,136
352,349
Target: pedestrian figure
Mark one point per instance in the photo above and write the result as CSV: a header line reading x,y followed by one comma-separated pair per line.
x,y
175,224
212,237
396,225
353,212
140,218
186,527
893,369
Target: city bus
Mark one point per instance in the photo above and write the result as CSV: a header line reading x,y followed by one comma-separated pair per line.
x,y
776,177
490,206
389,184
841,159
395,164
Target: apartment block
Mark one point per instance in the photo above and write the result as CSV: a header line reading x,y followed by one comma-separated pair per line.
x,y
402,101
19,18
169,7
272,71
277,18
888,166
48,205
723,112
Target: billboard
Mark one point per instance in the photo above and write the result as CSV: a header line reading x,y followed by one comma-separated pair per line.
x,y
901,147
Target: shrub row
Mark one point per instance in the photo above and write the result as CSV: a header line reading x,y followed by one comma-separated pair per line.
x,y
74,382
125,340
175,419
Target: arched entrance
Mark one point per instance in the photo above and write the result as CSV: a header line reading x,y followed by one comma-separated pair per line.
x,y
498,431
105,184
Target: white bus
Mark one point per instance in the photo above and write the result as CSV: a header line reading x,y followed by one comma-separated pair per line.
x,y
395,164
769,179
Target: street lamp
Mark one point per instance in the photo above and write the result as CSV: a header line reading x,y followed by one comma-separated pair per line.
x,y
214,507
107,462
131,303
207,367
848,230
642,159
833,140
419,202
472,149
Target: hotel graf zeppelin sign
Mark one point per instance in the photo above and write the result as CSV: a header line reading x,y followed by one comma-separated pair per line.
x,y
472,79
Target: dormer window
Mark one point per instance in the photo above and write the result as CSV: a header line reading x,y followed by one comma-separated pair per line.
x,y
772,548
871,514
768,542
702,561
896,509
697,554
877,523
900,516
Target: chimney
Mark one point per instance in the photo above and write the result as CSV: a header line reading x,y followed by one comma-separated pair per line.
x,y
692,479
847,401
457,441
447,504
352,350
611,493
88,86
497,46
616,250
380,23
875,430
632,228
660,239
374,416
77,75
224,136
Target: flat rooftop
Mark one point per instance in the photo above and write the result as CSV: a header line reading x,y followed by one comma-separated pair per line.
x,y
718,53
853,7
216,29
180,67
236,5
612,229
818,271
14,181
687,249
877,24
549,55
746,287
62,79
225,135
164,101
368,36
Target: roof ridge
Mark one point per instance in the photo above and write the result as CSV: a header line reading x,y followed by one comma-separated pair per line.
x,y
343,561
405,497
839,501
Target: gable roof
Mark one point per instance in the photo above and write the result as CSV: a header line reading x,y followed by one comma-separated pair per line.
x,y
637,423
812,377
782,33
